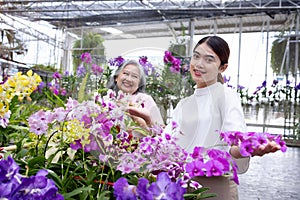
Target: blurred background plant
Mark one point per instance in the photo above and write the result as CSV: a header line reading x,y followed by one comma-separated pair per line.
x,y
91,43
169,83
264,94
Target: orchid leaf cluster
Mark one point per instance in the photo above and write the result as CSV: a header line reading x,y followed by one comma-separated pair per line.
x,y
170,83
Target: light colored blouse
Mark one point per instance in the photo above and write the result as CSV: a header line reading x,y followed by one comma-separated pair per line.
x,y
200,117
209,110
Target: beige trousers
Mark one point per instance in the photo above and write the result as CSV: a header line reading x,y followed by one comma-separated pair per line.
x,y
223,187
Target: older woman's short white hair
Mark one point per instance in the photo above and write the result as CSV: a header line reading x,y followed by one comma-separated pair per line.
x,y
112,84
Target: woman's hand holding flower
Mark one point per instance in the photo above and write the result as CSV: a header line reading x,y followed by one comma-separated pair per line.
x,y
270,147
140,116
252,143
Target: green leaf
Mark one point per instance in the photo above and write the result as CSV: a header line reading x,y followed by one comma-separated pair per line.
x,y
39,160
201,190
81,92
91,176
16,127
52,175
78,191
104,195
199,194
133,179
58,102
83,195
22,153
207,195
102,91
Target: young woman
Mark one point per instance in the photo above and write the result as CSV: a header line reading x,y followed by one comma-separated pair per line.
x,y
130,78
212,108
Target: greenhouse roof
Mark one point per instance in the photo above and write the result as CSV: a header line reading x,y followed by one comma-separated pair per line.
x,y
157,18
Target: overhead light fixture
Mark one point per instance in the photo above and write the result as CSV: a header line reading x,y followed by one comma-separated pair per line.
x,y
111,30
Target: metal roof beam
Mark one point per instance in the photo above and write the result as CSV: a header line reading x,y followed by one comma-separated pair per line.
x,y
25,28
10,6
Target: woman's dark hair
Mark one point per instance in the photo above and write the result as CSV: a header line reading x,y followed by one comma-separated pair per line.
x,y
218,45
112,84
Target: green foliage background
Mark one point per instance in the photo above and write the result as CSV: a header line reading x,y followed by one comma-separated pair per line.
x,y
91,43
277,55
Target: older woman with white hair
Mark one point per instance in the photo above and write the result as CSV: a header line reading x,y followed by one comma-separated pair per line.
x,y
130,78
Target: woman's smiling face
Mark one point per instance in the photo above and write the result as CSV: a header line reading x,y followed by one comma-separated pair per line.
x,y
205,66
129,78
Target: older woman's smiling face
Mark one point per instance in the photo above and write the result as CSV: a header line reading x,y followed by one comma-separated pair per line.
x,y
129,78
205,66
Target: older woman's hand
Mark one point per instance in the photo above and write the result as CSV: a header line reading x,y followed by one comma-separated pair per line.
x,y
140,116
